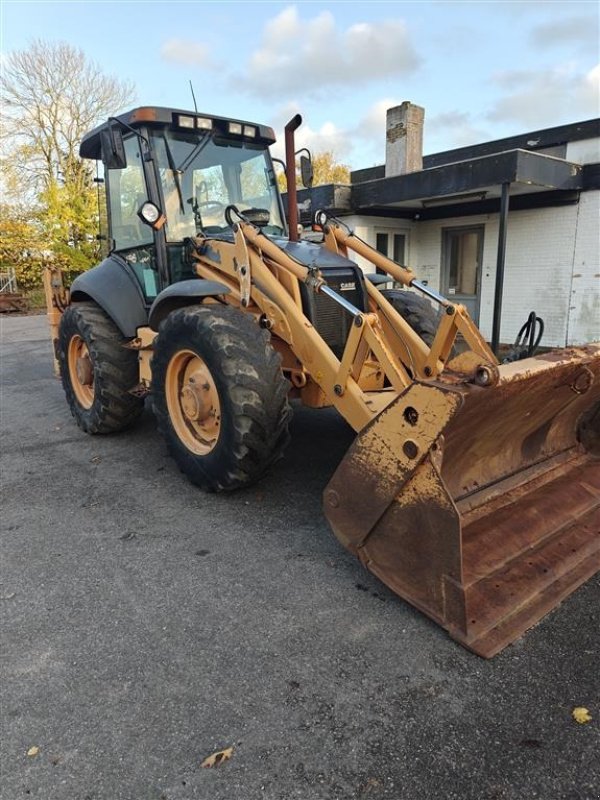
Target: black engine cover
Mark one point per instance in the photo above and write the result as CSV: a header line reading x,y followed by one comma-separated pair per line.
x,y
331,320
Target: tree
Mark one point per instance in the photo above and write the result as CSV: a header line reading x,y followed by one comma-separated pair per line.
x,y
20,246
25,248
325,170
52,95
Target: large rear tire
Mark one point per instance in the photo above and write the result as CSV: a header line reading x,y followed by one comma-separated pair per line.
x,y
220,398
422,317
417,311
97,372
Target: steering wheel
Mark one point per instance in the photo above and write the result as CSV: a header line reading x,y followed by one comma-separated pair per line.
x,y
211,205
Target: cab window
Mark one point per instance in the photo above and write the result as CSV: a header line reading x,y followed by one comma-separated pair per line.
x,y
132,239
126,193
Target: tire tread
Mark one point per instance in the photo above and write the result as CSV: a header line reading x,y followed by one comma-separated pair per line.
x,y
250,374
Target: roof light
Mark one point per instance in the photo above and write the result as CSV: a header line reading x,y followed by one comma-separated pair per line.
x,y
250,131
235,128
185,122
204,124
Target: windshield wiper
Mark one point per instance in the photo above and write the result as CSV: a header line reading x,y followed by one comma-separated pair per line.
x,y
196,151
175,172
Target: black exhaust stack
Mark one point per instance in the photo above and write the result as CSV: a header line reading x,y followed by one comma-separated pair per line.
x,y
290,174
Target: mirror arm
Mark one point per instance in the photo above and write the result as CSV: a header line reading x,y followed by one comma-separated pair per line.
x,y
148,149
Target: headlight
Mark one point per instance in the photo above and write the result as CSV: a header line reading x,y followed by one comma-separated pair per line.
x,y
250,131
151,214
235,128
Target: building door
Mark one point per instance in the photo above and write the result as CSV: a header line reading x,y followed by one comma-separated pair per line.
x,y
462,256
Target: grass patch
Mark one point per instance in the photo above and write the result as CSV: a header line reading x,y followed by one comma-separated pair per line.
x,y
36,299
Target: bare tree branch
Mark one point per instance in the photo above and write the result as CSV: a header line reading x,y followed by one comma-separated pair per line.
x,y
52,95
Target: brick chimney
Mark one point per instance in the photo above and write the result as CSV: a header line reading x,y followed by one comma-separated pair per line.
x,y
404,139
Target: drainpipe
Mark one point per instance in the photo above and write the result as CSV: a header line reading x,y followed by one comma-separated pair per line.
x,y
504,204
290,175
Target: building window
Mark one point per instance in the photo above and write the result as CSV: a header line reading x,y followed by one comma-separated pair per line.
x,y
398,247
381,243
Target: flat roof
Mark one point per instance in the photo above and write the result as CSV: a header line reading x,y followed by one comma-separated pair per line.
x,y
530,141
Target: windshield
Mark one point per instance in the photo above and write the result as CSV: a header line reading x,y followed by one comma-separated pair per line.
x,y
200,177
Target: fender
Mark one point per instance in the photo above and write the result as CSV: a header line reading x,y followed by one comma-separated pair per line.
x,y
182,294
112,286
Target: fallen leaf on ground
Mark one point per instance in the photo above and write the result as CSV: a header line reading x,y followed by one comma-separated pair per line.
x,y
33,751
581,715
218,758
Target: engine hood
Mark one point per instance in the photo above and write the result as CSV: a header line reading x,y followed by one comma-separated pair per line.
x,y
310,254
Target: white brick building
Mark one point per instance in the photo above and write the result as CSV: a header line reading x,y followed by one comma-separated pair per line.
x,y
441,215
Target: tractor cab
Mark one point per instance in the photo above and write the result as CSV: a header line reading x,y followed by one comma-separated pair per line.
x,y
170,175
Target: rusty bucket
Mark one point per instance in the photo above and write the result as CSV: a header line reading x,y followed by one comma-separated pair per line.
x,y
480,505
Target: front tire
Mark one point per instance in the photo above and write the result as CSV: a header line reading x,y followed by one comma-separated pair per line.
x,y
97,372
220,398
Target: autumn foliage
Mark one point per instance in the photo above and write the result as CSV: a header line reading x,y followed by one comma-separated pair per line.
x,y
52,95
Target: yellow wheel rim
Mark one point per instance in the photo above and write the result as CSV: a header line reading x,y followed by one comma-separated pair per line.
x,y
193,402
81,371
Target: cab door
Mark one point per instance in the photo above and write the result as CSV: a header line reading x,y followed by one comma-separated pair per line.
x,y
131,238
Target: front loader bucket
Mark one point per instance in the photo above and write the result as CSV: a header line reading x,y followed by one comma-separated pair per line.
x,y
480,506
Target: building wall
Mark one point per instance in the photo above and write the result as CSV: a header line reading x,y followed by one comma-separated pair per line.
x,y
585,151
584,312
552,266
366,228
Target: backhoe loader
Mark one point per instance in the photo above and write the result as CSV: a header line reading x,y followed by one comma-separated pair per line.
x,y
472,489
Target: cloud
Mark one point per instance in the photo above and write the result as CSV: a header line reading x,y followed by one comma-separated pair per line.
x,y
372,123
327,137
307,56
538,99
537,8
359,145
454,129
583,31
185,52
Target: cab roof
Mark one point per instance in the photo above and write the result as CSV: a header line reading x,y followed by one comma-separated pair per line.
x,y
158,116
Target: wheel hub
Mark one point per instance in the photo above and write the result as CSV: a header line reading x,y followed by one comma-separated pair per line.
x,y
81,371
85,373
193,402
196,400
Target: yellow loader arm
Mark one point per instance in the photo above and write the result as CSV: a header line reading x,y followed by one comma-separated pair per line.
x,y
472,489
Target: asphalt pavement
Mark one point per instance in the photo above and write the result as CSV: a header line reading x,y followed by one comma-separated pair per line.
x,y
146,625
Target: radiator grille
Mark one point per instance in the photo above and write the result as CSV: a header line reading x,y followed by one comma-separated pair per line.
x,y
330,319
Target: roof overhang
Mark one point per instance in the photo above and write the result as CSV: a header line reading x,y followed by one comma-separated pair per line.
x,y
474,180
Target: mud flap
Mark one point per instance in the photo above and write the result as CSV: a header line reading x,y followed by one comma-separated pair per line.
x,y
496,516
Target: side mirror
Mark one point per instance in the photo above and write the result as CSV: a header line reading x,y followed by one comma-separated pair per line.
x,y
306,171
113,149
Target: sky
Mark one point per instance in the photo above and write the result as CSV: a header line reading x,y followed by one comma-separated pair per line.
x,y
481,70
